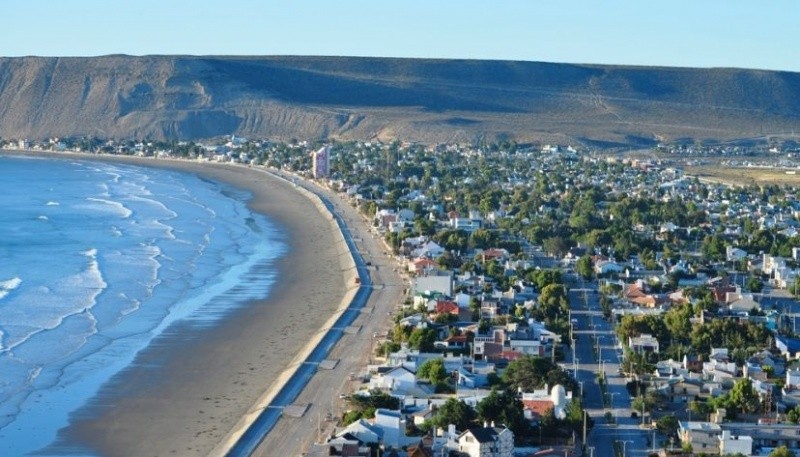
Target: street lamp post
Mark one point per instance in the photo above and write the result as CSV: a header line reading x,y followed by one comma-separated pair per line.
x,y
624,443
611,394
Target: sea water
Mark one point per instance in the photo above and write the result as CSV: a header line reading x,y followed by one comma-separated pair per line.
x,y
96,260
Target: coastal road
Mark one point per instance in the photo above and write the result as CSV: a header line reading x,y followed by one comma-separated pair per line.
x,y
292,436
597,350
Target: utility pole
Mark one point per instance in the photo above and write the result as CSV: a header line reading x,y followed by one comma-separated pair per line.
x,y
584,426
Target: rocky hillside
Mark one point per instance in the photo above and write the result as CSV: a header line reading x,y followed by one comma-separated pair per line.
x,y
186,97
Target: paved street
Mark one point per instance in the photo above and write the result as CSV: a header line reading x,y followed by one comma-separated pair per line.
x,y
591,330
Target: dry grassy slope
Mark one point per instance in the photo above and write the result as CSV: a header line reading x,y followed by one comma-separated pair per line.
x,y
415,99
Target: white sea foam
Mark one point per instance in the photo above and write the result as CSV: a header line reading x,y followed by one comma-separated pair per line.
x,y
7,286
52,203
43,218
111,206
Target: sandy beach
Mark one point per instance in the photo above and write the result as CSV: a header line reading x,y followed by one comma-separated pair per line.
x,y
190,390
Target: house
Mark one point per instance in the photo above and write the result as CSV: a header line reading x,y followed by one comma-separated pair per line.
x,y
534,410
465,224
735,444
793,378
743,304
487,350
487,442
530,347
702,437
683,390
693,363
539,401
362,431
385,217
605,267
446,307
764,361
430,249
490,308
442,283
471,379
733,254
667,368
453,342
393,427
789,347
421,449
393,379
766,435
424,414
643,343
719,364
422,266
343,446
498,254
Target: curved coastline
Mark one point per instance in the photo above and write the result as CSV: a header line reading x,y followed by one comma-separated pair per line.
x,y
194,392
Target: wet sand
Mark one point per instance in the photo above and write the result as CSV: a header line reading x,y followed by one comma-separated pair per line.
x,y
195,388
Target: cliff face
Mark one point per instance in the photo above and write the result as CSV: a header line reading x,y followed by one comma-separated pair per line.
x,y
185,97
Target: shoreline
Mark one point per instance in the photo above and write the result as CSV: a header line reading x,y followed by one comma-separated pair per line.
x,y
195,391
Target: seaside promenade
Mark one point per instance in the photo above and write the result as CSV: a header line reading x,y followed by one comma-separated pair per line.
x,y
294,435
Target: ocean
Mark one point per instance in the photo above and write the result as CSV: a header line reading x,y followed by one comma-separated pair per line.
x,y
96,260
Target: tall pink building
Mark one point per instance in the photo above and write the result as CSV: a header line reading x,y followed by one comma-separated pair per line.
x,y
321,162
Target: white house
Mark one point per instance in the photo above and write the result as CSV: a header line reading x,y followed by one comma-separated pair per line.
x,y
393,426
434,283
643,343
730,444
363,431
487,442
430,249
604,267
733,254
793,378
530,347
393,379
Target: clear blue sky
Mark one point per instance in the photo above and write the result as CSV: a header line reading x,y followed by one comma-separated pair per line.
x,y
697,33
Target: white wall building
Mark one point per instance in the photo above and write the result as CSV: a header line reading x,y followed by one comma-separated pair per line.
x,y
487,442
730,444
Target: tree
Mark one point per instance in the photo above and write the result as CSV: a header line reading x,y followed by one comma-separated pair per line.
x,y
584,267
528,373
782,451
454,412
677,320
553,300
744,397
433,370
667,425
555,246
754,284
543,278
793,415
482,238
422,339
502,408
700,409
